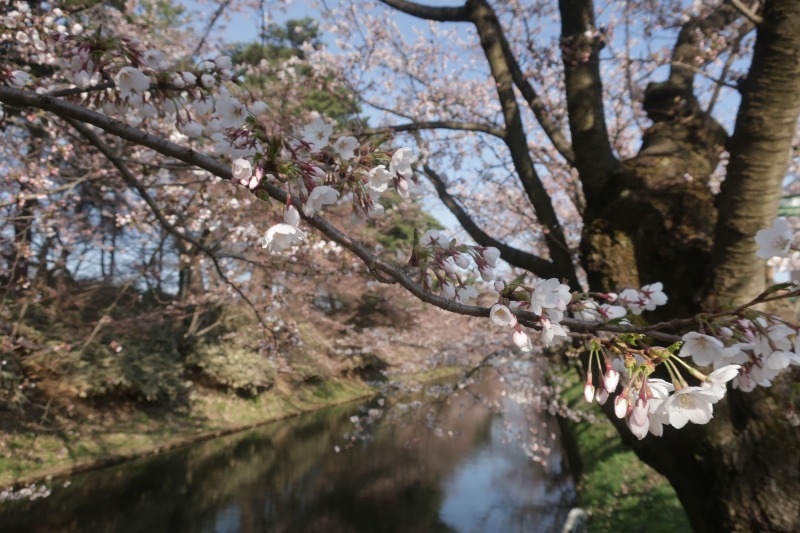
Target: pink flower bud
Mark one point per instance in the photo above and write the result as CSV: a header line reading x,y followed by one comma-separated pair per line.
x,y
461,260
601,395
640,411
611,379
621,406
588,392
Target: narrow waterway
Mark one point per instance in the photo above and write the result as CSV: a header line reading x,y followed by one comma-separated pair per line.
x,y
439,465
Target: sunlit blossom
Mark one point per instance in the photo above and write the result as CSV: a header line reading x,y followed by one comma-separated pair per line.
x,y
774,241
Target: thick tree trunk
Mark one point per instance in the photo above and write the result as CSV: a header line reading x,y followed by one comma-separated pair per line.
x,y
655,222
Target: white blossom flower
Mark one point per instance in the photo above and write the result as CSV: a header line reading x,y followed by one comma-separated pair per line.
x,y
549,293
378,178
522,340
631,299
448,264
320,196
601,395
466,293
588,392
317,133
156,59
19,78
690,404
433,237
461,260
230,112
777,338
346,147
659,391
653,295
589,311
779,359
448,290
189,78
774,241
401,163
241,170
131,79
718,380
703,349
552,332
286,234
223,63
502,315
291,216
192,129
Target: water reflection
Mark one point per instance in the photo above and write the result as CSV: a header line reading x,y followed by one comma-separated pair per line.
x,y
464,475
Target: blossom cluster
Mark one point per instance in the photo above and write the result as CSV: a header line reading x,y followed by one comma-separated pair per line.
x,y
748,348
546,298
319,171
445,263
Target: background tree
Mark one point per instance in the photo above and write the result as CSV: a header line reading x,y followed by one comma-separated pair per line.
x,y
647,213
612,187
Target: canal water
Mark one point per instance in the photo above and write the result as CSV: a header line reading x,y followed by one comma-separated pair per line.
x,y
433,464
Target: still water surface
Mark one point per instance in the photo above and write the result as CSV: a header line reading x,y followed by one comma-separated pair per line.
x,y
449,466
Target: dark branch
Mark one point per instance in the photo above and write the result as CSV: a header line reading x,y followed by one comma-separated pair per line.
x,y
518,258
744,10
489,30
20,98
441,14
581,42
438,125
689,43
132,182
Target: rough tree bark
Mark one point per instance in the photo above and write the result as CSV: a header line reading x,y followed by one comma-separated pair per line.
x,y
656,221
653,218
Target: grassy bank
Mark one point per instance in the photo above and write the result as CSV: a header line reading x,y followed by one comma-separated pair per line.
x,y
116,435
619,492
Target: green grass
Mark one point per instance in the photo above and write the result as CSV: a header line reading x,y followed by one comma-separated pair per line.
x,y
619,492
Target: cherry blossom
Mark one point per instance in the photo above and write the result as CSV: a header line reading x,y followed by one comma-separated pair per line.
x,y
286,234
690,404
704,349
718,380
320,196
317,133
131,80
774,241
345,146
502,315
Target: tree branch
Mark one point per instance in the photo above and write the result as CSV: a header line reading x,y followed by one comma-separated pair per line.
x,y
134,183
515,257
440,14
485,21
744,10
66,110
438,124
223,5
687,47
580,50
